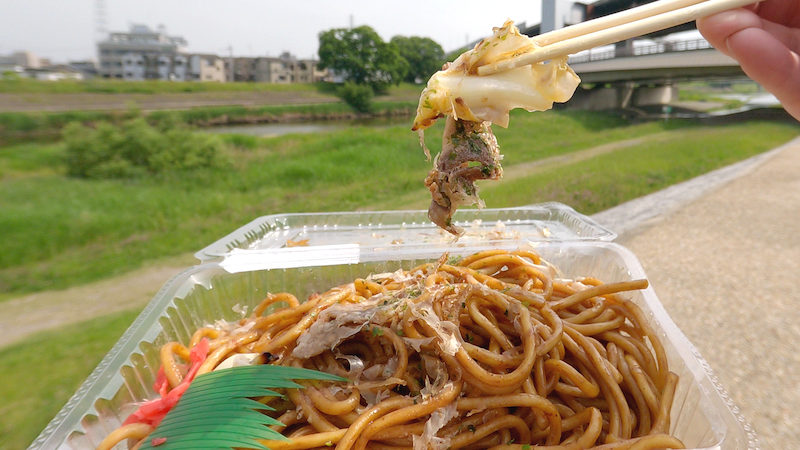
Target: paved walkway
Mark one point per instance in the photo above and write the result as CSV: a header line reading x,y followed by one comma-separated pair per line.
x,y
723,254
23,316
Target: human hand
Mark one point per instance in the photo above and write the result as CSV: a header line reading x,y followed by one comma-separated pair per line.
x,y
765,40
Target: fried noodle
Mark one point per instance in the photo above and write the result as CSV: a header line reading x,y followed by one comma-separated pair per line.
x,y
495,351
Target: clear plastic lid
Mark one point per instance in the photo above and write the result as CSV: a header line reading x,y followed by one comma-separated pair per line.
x,y
400,231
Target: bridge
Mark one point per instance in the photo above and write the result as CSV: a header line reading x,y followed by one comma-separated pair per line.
x,y
642,75
657,63
636,72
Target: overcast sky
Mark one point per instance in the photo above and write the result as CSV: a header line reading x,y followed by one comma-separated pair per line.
x,y
65,29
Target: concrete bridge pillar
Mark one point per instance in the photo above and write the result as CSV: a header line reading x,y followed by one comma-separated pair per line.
x,y
622,95
654,95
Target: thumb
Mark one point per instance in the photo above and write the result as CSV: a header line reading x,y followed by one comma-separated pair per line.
x,y
770,63
761,49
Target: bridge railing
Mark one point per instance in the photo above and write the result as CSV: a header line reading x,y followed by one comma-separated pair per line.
x,y
640,50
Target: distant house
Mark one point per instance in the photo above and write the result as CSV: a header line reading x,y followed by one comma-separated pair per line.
x,y
205,67
87,68
285,68
54,73
18,62
21,59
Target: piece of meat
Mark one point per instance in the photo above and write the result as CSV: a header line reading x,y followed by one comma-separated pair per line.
x,y
469,153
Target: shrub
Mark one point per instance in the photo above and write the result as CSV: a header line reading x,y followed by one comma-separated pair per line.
x,y
359,96
136,149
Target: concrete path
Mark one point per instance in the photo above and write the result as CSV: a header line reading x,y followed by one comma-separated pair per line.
x,y
723,254
23,316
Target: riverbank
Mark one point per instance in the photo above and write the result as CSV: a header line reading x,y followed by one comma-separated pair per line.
x,y
116,95
42,126
63,231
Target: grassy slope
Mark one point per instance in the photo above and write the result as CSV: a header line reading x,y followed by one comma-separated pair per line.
x,y
26,126
38,376
318,102
60,231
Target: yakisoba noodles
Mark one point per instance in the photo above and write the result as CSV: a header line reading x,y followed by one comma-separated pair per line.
x,y
495,351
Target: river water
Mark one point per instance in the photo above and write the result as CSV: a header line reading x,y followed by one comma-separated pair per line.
x,y
278,129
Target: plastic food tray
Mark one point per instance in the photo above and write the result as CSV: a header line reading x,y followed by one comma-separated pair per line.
x,y
703,416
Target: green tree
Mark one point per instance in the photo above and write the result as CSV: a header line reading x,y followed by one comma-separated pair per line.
x,y
423,54
361,56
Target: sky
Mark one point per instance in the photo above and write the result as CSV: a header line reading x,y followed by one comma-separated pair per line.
x,y
64,30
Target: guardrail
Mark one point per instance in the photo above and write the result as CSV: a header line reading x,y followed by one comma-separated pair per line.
x,y
640,50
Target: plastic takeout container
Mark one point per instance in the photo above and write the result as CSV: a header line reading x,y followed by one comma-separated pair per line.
x,y
703,416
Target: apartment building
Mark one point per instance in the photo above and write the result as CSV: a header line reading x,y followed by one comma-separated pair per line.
x,y
143,54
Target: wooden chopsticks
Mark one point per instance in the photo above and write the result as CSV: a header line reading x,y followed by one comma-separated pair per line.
x,y
613,28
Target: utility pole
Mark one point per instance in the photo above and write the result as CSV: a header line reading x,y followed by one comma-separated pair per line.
x,y
230,62
100,25
351,21
100,20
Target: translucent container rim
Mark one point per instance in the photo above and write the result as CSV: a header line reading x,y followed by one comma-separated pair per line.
x,y
222,247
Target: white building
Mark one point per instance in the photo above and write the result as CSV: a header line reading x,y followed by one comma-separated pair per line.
x,y
142,54
22,59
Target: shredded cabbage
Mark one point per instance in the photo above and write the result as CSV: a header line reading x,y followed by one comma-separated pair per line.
x,y
458,91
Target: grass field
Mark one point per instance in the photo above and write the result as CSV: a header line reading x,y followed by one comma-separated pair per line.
x,y
36,384
60,231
